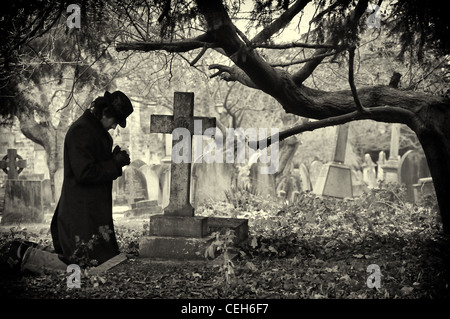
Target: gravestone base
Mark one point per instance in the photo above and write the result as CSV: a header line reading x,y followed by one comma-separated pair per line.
x,y
390,170
187,244
143,208
334,180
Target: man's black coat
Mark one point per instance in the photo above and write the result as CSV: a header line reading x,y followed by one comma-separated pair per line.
x,y
85,205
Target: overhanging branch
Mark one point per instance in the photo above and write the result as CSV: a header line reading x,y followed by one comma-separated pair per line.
x,y
368,113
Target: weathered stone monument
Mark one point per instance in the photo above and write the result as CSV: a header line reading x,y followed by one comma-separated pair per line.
x,y
390,167
178,234
335,177
369,172
23,198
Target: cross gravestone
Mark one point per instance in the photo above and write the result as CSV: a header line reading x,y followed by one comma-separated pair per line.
x,y
178,234
390,167
23,198
335,177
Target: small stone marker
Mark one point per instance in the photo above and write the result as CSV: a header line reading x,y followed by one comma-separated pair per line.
x,y
335,178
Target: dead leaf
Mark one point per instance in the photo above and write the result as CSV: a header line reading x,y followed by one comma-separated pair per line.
x,y
406,290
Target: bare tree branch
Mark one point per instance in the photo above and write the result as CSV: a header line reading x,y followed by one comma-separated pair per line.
x,y
351,80
371,113
294,45
351,23
169,46
280,22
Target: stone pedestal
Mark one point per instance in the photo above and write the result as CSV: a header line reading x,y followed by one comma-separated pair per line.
x,y
390,170
186,238
334,180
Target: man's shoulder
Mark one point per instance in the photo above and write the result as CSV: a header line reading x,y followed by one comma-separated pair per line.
x,y
81,124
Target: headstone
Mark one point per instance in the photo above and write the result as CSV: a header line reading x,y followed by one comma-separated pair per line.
x,y
132,186
180,174
152,179
12,164
369,173
211,181
178,234
380,163
138,163
264,184
304,176
46,192
23,202
314,171
390,168
335,177
410,171
358,185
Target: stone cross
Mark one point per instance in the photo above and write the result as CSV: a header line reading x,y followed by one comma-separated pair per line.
x,y
12,164
341,143
180,179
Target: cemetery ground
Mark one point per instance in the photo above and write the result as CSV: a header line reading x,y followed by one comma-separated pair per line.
x,y
310,248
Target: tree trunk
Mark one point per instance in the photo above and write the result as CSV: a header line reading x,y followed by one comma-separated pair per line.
x,y
43,134
434,136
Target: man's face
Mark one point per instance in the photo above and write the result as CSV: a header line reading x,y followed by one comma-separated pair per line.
x,y
109,122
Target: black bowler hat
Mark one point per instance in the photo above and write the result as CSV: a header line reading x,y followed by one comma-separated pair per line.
x,y
120,106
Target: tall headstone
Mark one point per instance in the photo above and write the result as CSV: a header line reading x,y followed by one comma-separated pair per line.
x,y
335,177
390,168
178,233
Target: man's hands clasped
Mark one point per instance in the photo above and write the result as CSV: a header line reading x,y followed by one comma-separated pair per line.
x,y
121,157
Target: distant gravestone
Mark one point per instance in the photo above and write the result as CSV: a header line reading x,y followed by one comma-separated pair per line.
x,y
380,163
263,183
24,202
314,171
304,176
46,192
152,179
411,170
335,177
132,186
369,173
358,185
138,163
211,181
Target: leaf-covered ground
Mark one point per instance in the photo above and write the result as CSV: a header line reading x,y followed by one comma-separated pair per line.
x,y
313,248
